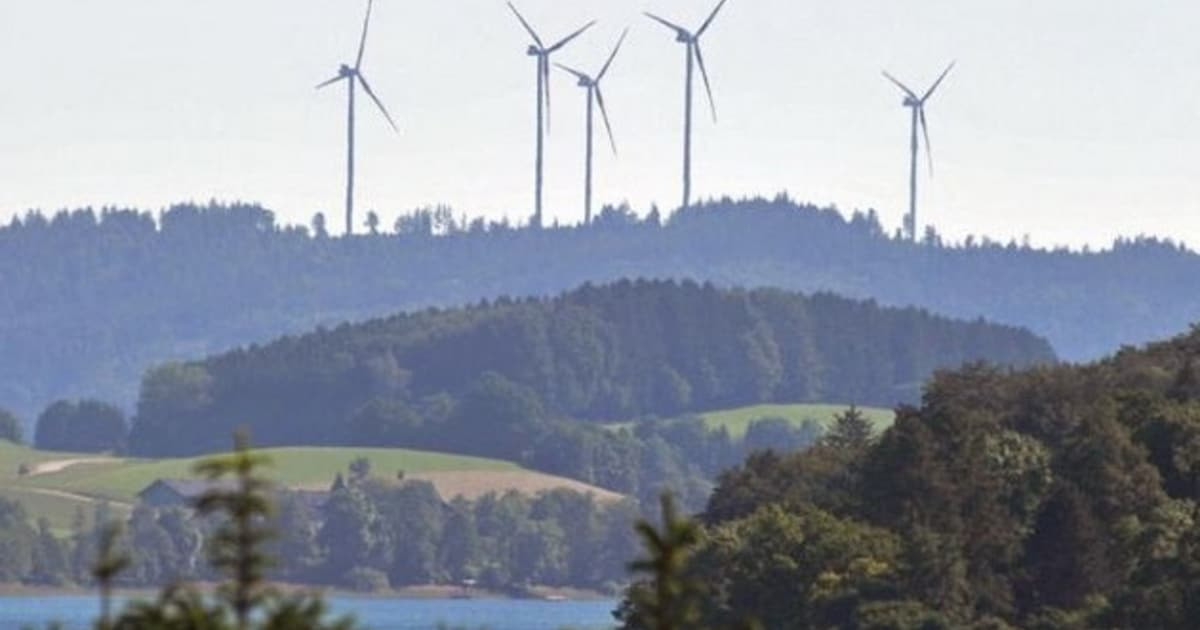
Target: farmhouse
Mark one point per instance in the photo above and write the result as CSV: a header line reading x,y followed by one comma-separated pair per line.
x,y
177,492
185,492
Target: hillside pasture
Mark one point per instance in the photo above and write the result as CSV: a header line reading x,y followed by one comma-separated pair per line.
x,y
308,468
60,508
736,421
13,456
472,485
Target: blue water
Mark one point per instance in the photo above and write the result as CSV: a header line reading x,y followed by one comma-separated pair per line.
x,y
77,613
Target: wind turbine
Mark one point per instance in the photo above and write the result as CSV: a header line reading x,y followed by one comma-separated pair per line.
x,y
353,76
917,105
694,57
542,53
595,97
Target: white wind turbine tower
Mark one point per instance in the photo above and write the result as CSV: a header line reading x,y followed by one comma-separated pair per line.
x,y
595,97
353,77
542,52
695,57
917,105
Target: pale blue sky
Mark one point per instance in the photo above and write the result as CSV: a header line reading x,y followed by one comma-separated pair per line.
x,y
1070,120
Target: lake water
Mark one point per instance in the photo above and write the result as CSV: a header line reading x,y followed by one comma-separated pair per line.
x,y
77,613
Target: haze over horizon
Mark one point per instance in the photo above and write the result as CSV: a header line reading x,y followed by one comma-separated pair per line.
x,y
1070,136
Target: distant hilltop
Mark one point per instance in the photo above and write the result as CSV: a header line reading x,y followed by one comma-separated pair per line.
x,y
92,299
628,350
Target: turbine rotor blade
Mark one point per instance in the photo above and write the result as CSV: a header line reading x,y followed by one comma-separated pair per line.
x,y
612,140
330,82
928,145
528,28
704,73
613,56
566,40
671,25
900,85
937,83
362,44
579,75
371,93
709,21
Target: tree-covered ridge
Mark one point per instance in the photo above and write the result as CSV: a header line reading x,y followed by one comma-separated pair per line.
x,y
91,299
1058,497
620,351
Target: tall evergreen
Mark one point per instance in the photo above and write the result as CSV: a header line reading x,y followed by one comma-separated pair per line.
x,y
237,547
851,430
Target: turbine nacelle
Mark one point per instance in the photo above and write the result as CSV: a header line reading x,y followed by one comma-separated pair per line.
x,y
345,71
911,102
534,51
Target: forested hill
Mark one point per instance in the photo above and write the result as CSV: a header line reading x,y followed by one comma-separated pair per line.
x,y
1061,497
621,351
89,300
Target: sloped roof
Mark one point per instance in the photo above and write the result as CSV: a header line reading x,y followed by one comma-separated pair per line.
x,y
192,489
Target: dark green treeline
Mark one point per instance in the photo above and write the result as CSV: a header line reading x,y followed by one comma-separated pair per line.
x,y
1055,498
627,350
91,298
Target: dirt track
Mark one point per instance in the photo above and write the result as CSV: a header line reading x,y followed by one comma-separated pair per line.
x,y
59,465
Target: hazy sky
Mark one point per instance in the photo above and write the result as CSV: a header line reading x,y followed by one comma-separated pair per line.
x,y
1069,120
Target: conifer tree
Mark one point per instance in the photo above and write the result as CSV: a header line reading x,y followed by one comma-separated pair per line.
x,y
109,563
668,599
851,430
237,546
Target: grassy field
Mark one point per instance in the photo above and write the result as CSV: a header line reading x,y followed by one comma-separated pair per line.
x,y
736,421
472,484
68,481
59,509
13,455
53,504
309,467
73,481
